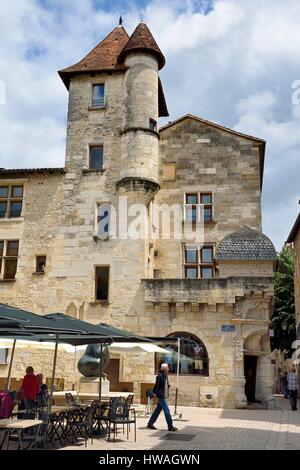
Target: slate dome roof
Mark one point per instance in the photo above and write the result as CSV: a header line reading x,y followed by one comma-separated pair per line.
x,y
246,244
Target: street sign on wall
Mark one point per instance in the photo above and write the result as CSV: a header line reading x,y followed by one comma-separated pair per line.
x,y
228,328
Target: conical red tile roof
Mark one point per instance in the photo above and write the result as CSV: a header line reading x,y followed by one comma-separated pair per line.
x,y
142,40
104,57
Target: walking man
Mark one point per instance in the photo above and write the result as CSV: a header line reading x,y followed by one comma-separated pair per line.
x,y
293,388
161,390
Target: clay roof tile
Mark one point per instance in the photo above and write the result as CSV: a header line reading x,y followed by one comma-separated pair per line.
x,y
104,57
142,40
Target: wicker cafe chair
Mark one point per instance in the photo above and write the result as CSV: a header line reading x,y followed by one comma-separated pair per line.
x,y
120,413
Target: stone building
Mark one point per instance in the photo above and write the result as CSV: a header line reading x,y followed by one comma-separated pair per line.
x,y
294,239
65,246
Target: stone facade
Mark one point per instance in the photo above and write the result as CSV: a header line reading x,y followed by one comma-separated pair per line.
x,y
59,220
297,275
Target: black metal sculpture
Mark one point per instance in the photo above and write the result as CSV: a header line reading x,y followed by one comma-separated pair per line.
x,y
89,363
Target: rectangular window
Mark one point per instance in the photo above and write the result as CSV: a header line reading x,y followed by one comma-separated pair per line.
x,y
153,125
9,251
103,220
3,355
96,157
40,264
11,200
98,96
191,207
206,200
199,206
102,283
198,262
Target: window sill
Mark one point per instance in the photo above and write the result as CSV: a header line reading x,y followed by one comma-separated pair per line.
x,y
206,224
99,302
37,273
102,239
7,220
8,280
90,170
212,223
96,108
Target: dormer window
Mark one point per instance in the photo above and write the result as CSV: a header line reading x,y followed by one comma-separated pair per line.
x,y
98,96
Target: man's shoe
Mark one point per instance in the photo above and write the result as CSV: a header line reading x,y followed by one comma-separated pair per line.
x,y
173,429
150,426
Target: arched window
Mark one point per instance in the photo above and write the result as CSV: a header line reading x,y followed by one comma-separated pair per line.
x,y
193,356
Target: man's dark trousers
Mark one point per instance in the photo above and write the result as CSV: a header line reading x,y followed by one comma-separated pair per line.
x,y
162,405
293,399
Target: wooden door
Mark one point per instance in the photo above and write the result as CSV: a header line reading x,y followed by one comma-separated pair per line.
x,y
113,372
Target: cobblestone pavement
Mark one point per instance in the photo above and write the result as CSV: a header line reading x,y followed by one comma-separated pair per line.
x,y
206,428
211,429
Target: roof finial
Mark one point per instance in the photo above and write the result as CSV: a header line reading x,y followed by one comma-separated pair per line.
x,y
120,21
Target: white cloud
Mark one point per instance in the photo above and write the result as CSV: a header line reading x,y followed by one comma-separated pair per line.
x,y
235,65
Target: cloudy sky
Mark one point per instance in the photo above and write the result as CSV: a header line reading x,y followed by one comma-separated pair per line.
x,y
230,61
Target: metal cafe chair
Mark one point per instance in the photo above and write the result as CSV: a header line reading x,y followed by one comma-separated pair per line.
x,y
84,426
120,413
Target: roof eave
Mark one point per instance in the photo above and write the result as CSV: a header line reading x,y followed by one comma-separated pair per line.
x,y
294,231
29,171
162,104
67,76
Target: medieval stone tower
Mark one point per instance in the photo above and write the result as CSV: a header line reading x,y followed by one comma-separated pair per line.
x,y
115,99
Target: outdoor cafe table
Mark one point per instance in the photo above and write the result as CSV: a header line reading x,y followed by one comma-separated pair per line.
x,y
19,425
59,397
60,419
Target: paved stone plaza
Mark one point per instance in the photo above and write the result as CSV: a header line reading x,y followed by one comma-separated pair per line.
x,y
211,429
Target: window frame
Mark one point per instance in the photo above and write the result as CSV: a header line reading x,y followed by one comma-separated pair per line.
x,y
5,361
10,199
152,123
98,266
197,340
4,258
90,147
199,265
102,203
36,264
198,206
101,105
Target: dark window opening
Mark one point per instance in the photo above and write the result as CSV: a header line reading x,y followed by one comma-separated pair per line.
x,y
40,264
96,157
102,282
153,125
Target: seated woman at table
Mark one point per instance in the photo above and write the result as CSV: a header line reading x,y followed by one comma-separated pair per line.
x,y
43,396
30,388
